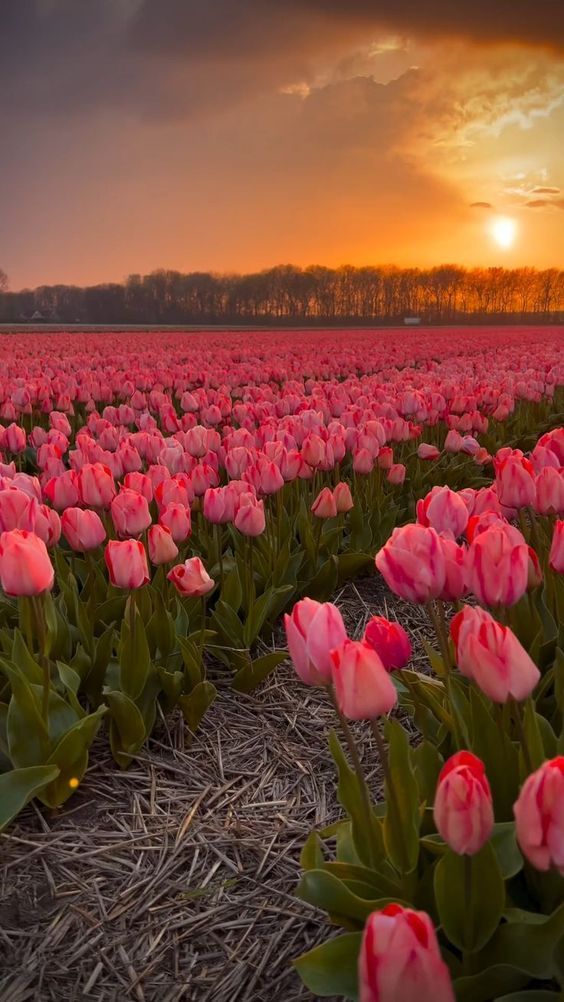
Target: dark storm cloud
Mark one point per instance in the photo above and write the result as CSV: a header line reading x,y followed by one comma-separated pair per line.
x,y
179,56
504,20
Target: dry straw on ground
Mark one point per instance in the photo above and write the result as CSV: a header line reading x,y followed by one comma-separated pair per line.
x,y
175,880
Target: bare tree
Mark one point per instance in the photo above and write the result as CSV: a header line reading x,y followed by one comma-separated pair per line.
x,y
3,281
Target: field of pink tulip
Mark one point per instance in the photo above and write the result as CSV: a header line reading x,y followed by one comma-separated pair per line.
x,y
179,514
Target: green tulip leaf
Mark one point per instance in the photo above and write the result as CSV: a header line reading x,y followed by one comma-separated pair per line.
x,y
331,969
19,786
470,897
197,703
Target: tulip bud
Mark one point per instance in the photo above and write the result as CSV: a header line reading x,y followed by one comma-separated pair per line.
x,y
556,556
444,511
385,458
95,484
313,629
130,513
492,657
178,519
191,578
324,505
127,563
428,452
25,566
363,687
463,810
363,462
400,959
250,519
498,565
456,570
539,816
515,482
83,529
14,439
343,498
550,492
396,474
412,563
389,640
161,545
217,506
62,491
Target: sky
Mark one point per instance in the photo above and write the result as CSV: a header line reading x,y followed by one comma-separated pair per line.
x,y
232,135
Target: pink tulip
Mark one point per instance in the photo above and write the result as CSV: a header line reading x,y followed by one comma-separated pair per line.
x,y
412,563
385,458
62,491
498,565
82,529
25,567
456,570
343,498
218,506
363,462
515,482
400,959
556,556
271,479
428,452
324,505
389,640
479,523
550,492
463,810
444,511
178,519
95,484
313,629
453,441
250,518
191,579
161,546
14,509
127,563
130,513
15,439
396,474
539,816
140,483
46,524
363,688
492,657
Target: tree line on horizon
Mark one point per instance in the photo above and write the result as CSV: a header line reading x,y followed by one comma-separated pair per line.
x,y
286,293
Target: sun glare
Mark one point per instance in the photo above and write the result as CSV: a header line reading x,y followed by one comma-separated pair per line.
x,y
504,231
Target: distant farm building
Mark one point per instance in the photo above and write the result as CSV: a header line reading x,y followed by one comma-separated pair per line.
x,y
411,321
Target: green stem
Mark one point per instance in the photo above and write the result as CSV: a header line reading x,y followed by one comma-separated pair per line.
x,y
437,616
37,606
522,737
318,528
355,758
392,792
203,629
251,595
219,542
467,909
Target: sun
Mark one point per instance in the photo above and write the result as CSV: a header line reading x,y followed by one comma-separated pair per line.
x,y
504,231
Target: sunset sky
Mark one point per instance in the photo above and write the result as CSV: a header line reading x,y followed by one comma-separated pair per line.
x,y
238,134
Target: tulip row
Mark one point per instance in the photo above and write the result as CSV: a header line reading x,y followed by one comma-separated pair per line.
x,y
154,507
452,885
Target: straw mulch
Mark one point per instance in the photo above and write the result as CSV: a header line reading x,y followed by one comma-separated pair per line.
x,y
176,879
